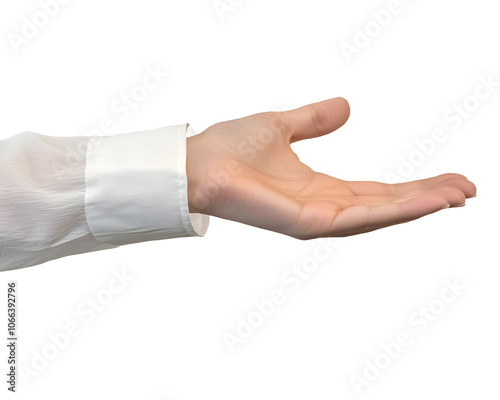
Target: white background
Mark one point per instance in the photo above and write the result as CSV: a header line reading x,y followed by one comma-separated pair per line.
x,y
162,336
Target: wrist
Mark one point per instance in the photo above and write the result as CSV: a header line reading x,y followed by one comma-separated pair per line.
x,y
193,148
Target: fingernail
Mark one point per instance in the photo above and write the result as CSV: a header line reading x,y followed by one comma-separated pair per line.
x,y
446,206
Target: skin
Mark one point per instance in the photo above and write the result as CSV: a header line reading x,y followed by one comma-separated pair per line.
x,y
244,170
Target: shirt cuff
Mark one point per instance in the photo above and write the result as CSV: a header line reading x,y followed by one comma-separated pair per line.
x,y
136,187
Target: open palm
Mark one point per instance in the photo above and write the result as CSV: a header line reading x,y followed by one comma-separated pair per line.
x,y
245,170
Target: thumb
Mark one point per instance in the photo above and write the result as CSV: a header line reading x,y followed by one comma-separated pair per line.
x,y
317,119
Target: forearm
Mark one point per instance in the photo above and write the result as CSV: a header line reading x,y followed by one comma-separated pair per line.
x,y
61,196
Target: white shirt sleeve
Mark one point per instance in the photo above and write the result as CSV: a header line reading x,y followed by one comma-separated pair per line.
x,y
67,195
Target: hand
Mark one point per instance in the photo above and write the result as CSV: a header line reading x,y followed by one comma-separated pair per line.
x,y
245,170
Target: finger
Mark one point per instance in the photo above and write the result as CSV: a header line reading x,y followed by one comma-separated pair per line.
x,y
366,188
361,219
317,119
459,182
